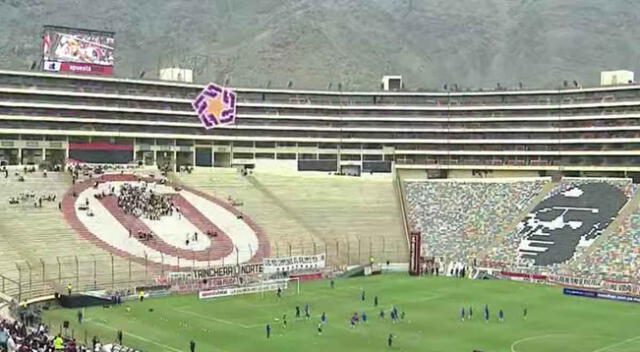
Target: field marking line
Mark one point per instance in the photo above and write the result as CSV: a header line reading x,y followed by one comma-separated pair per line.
x,y
617,344
223,321
515,343
262,305
136,336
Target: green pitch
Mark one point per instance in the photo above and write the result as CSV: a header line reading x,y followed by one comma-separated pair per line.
x,y
555,323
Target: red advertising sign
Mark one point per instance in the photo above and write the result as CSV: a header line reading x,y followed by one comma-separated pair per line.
x,y
415,252
88,69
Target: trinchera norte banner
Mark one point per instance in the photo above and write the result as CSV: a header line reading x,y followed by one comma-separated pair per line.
x,y
268,266
215,272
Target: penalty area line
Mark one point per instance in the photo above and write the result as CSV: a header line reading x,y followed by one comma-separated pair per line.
x,y
144,339
515,343
218,320
608,347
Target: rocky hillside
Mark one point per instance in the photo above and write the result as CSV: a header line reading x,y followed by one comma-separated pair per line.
x,y
430,42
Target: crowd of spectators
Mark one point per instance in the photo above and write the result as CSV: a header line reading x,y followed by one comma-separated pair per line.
x,y
31,197
458,219
29,335
617,256
88,171
15,336
618,245
142,201
28,196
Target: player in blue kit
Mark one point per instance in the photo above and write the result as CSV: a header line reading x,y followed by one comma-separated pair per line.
x,y
268,328
462,314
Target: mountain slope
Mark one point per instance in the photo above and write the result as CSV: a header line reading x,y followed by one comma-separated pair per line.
x,y
430,42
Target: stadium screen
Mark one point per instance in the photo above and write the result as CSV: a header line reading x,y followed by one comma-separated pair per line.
x,y
78,50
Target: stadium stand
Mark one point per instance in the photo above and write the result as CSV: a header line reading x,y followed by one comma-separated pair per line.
x,y
458,219
615,253
586,132
17,336
300,211
43,248
31,227
573,214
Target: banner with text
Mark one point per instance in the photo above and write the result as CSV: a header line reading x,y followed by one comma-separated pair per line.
x,y
601,295
233,291
226,271
294,263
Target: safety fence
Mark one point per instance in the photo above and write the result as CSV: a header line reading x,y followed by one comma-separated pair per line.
x,y
549,275
122,272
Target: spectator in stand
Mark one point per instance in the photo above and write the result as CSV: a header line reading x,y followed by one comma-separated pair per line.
x,y
21,338
142,201
458,227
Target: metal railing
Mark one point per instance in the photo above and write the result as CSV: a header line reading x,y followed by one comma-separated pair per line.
x,y
115,272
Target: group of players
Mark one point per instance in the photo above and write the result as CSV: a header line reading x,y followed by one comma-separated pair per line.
x,y
469,314
356,318
395,315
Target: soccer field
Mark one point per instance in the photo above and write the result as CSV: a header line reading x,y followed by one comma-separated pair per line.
x,y
555,323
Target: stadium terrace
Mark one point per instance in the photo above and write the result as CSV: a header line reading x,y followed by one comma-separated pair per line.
x,y
225,218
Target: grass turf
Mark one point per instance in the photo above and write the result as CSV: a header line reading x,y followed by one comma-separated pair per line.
x,y
555,322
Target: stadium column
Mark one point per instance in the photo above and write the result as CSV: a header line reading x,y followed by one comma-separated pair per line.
x,y
44,154
19,156
175,160
135,150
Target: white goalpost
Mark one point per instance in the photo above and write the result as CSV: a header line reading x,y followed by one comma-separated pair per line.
x,y
284,284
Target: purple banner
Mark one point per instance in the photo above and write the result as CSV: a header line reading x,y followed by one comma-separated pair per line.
x,y
601,295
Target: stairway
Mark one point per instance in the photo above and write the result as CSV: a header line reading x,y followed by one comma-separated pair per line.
x,y
347,217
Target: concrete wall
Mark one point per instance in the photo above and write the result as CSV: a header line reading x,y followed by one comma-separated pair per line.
x,y
493,174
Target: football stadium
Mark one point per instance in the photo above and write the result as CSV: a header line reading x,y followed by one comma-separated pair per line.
x,y
184,213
